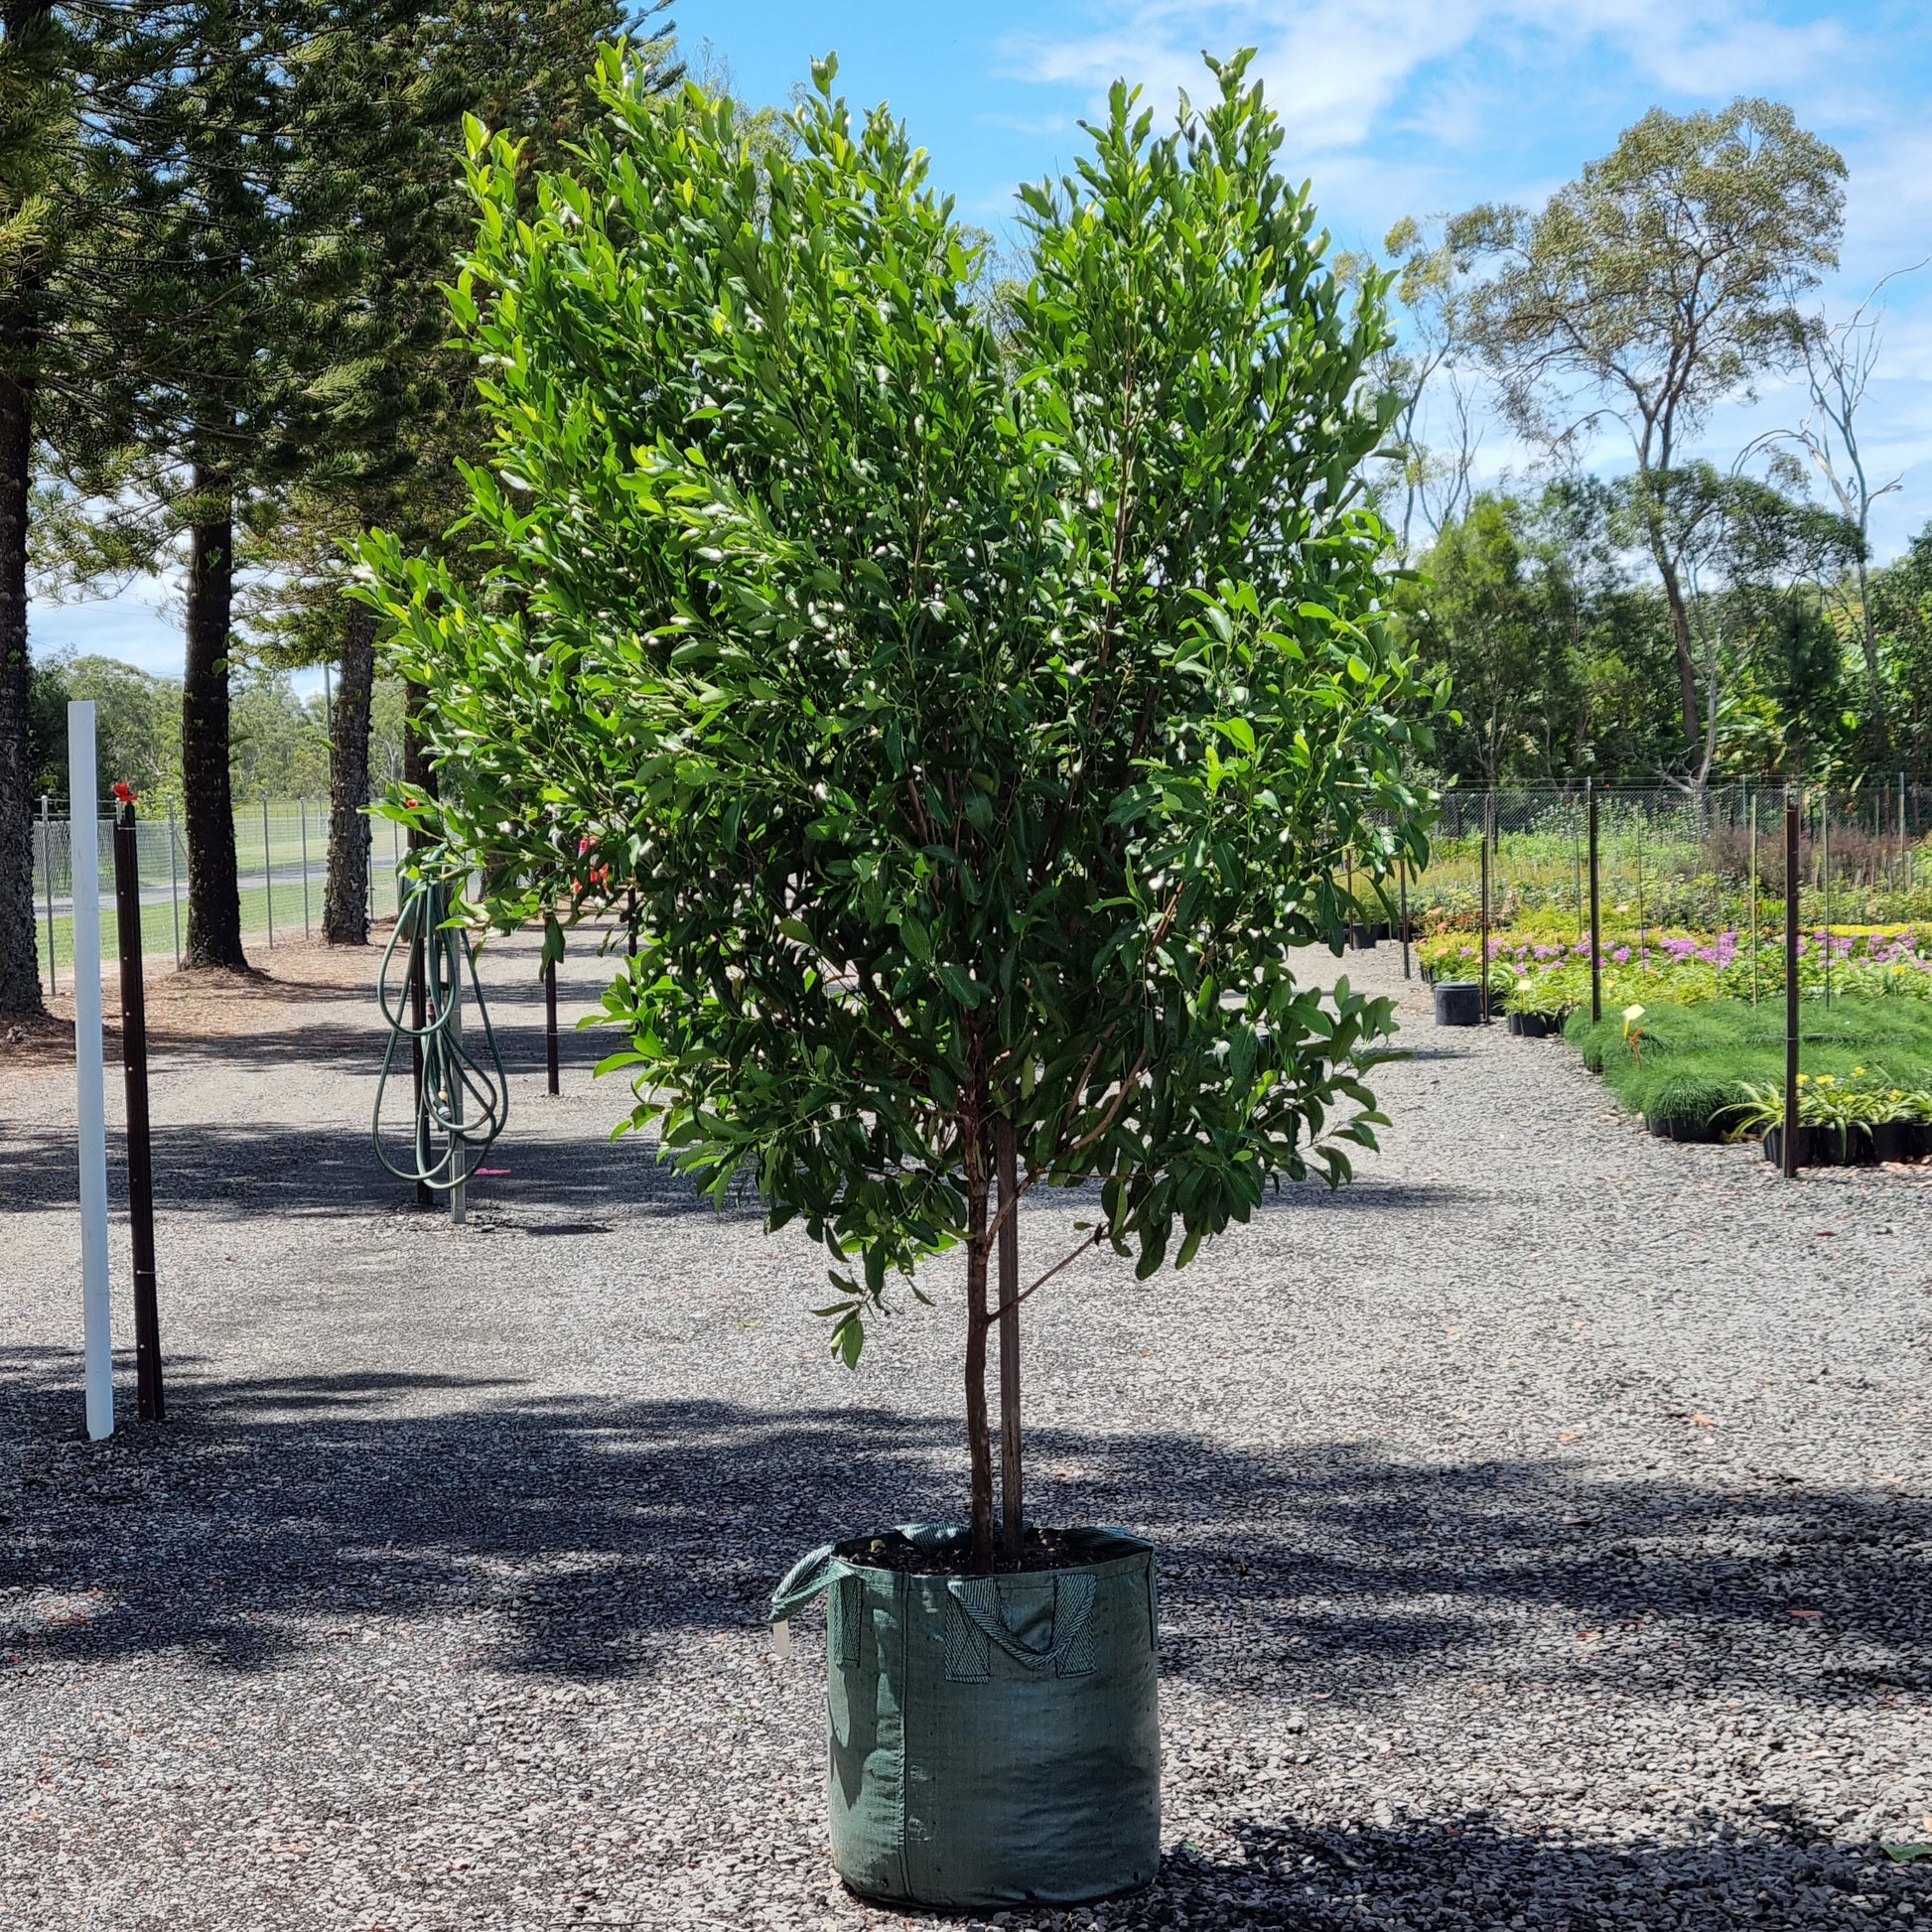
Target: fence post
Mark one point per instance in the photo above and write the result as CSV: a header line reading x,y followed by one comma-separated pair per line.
x,y
550,1022
140,1153
1825,869
302,809
1596,919
1488,798
1790,984
174,884
47,852
268,876
1753,799
1402,886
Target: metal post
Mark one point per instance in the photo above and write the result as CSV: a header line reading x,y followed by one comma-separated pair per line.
x,y
459,1190
1596,920
174,884
1790,985
1488,798
1753,797
550,1022
1402,878
268,876
140,1154
46,850
1349,930
395,867
1642,949
90,1077
302,806
1826,867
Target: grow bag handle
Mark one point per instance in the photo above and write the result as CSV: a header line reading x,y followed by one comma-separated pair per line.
x,y
1073,1599
810,1576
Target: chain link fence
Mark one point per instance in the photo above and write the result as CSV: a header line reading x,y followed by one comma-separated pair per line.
x,y
281,854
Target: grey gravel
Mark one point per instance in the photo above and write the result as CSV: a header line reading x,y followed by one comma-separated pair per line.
x,y
1488,1492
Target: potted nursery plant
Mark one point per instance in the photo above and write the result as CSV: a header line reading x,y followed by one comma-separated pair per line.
x,y
974,690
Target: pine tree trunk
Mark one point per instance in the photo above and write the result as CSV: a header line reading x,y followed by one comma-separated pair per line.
x,y
345,897
207,799
1006,1158
20,980
978,1439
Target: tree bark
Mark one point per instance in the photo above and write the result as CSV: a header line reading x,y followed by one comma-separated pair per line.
x,y
1680,623
346,896
1007,1159
207,799
19,979
979,1439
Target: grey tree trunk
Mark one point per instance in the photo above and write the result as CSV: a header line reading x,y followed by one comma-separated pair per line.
x,y
20,980
208,797
345,897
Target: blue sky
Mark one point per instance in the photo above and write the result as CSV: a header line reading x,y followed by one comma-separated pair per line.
x,y
1393,107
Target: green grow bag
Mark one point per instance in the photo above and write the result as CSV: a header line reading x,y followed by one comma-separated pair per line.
x,y
994,1740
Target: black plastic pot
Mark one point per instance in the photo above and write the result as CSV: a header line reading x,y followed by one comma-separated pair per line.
x,y
1537,1025
1821,1147
1381,929
1361,937
1696,1133
1899,1140
1459,1003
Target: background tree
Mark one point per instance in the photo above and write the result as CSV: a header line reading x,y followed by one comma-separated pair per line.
x,y
1423,476
37,118
977,720
1755,565
1655,286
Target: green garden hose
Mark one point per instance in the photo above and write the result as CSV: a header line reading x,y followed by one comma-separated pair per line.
x,y
464,1103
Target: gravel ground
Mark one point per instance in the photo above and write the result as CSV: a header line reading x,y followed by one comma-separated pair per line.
x,y
1543,1519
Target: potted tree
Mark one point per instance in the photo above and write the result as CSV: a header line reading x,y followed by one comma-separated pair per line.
x,y
974,687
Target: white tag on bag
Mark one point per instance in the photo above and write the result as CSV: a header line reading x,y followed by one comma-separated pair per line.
x,y
781,1639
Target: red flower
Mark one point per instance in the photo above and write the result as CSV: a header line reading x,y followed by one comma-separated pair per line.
x,y
124,792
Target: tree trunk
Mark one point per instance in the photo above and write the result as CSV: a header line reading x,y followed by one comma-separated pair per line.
x,y
1007,1159
207,800
1680,623
19,979
979,1439
345,897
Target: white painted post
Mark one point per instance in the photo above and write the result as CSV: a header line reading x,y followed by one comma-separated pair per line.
x,y
83,827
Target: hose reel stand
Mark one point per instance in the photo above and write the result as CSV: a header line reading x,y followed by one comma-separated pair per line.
x,y
462,1101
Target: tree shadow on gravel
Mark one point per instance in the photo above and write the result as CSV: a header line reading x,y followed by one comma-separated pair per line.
x,y
330,1169
588,1532
1476,1871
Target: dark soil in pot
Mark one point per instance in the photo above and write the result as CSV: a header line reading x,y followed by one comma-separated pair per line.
x,y
1040,1549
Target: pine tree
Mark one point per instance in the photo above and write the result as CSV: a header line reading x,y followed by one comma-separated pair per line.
x,y
379,133
36,118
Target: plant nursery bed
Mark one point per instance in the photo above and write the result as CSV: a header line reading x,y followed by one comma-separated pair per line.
x,y
1866,1067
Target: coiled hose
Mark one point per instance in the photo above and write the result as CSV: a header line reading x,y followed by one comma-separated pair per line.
x,y
463,1104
